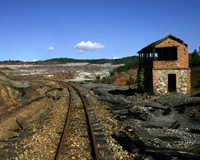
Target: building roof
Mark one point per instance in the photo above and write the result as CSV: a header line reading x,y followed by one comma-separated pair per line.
x,y
149,48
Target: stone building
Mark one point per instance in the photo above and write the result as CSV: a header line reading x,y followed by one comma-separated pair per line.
x,y
165,64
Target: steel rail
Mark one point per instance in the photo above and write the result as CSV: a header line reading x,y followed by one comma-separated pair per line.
x,y
58,152
95,152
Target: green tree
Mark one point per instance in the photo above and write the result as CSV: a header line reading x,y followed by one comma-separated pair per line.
x,y
195,61
199,50
141,80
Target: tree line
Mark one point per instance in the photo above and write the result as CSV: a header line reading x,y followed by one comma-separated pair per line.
x,y
195,58
96,61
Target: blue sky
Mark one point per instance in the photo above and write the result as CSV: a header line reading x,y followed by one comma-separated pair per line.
x,y
92,29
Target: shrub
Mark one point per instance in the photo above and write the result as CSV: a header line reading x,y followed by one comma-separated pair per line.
x,y
112,73
98,77
109,80
130,81
126,67
141,80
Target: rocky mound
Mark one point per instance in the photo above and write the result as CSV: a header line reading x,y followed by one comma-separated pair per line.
x,y
8,93
4,79
164,126
23,102
120,79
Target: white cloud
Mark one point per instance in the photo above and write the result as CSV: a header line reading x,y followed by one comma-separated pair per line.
x,y
116,58
35,60
79,51
85,46
51,48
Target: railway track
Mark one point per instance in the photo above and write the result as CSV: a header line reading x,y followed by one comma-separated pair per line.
x,y
78,140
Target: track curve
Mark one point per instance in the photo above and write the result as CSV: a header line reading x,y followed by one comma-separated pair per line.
x,y
76,116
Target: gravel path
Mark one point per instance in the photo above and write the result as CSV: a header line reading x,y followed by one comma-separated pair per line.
x,y
42,136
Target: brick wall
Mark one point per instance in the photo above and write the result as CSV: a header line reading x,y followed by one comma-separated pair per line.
x,y
182,55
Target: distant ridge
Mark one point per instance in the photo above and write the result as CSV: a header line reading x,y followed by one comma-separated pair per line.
x,y
54,61
96,61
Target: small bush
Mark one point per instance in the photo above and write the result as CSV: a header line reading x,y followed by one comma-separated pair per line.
x,y
98,77
112,73
109,80
130,81
126,67
141,80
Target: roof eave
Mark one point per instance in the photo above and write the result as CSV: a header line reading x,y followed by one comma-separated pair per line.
x,y
154,44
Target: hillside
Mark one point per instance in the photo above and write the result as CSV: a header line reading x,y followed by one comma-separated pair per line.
x,y
96,61
122,75
55,61
4,79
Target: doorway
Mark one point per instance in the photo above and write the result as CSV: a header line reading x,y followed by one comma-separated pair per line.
x,y
172,82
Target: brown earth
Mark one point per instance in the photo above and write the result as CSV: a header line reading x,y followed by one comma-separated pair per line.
x,y
25,105
22,107
8,97
120,79
55,76
21,104
32,120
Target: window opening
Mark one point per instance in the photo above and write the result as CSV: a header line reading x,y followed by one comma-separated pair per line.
x,y
167,53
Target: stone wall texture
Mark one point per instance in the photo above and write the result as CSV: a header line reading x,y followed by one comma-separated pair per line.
x,y
160,81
